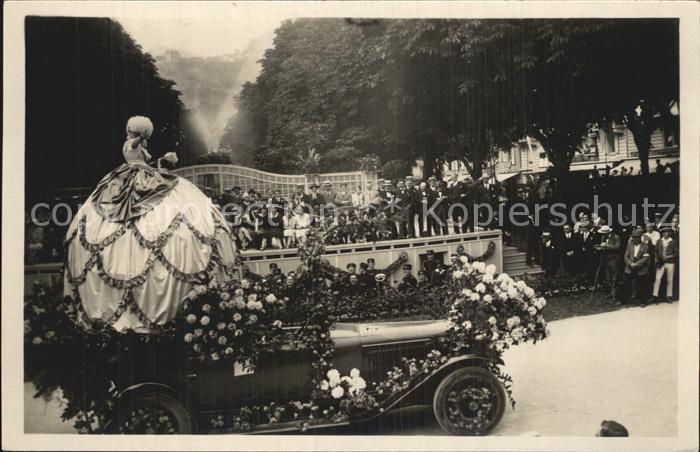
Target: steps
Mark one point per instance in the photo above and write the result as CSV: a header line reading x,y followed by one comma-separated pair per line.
x,y
514,263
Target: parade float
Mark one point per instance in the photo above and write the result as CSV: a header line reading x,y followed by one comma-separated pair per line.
x,y
243,356
160,326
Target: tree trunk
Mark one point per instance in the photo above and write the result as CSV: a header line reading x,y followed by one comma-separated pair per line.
x,y
561,180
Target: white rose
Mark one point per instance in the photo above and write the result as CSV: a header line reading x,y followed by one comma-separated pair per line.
x,y
464,259
252,305
252,319
198,332
503,296
37,340
457,274
277,323
222,340
333,377
492,320
337,392
270,298
466,324
238,333
359,383
532,310
324,385
252,297
238,292
487,278
220,326
488,298
245,283
512,293
475,296
236,317
490,269
240,304
191,318
479,266
199,289
225,296
354,373
206,307
529,292
521,284
204,321
481,288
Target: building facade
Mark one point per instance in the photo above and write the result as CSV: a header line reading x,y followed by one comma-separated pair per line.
x,y
612,148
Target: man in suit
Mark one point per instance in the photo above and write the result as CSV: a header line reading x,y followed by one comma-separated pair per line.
x,y
314,199
404,200
548,252
408,282
586,252
568,244
439,275
423,201
666,251
429,264
370,274
636,258
609,249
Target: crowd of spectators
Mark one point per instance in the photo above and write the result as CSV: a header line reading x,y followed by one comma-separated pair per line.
x,y
631,261
391,210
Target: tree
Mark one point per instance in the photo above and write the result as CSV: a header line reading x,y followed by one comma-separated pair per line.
x,y
84,78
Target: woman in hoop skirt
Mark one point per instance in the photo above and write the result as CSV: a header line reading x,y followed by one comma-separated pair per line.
x,y
141,242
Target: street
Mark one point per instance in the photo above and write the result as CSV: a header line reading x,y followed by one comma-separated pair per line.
x,y
618,366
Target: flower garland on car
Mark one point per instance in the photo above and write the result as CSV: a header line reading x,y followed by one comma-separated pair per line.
x,y
487,314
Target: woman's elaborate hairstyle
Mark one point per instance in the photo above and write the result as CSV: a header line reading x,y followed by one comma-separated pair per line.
x,y
139,127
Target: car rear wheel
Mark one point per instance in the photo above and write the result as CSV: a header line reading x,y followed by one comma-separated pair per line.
x,y
152,413
469,401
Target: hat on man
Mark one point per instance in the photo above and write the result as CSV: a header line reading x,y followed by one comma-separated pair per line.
x,y
407,266
370,260
351,265
408,177
273,265
432,178
326,183
666,229
605,229
585,226
657,215
637,233
546,234
313,186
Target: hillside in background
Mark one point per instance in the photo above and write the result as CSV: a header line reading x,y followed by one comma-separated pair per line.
x,y
209,86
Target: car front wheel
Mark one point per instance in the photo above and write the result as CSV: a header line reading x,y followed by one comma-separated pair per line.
x,y
152,413
469,401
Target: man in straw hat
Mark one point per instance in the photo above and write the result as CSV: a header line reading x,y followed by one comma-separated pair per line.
x,y
609,249
637,257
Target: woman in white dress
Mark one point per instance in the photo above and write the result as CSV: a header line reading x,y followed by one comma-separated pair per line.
x,y
141,242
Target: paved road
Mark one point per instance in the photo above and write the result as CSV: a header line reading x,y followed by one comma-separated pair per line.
x,y
619,365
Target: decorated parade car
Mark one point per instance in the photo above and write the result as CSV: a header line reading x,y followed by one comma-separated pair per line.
x,y
466,397
160,326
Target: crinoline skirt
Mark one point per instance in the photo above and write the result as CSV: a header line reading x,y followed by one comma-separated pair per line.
x,y
135,273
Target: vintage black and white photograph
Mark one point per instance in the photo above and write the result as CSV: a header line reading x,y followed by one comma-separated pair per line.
x,y
256,220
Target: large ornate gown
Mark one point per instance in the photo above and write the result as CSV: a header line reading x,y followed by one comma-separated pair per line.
x,y
140,244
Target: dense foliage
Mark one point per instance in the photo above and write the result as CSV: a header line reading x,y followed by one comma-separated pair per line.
x,y
452,89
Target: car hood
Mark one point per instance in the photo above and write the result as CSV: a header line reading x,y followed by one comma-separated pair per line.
x,y
388,332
